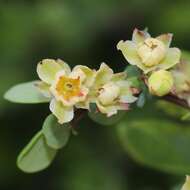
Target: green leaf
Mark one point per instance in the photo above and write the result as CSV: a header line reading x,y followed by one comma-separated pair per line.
x,y
141,100
186,117
135,82
36,156
132,71
56,135
102,119
25,93
134,75
162,145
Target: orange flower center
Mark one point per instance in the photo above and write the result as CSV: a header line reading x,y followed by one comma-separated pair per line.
x,y
68,87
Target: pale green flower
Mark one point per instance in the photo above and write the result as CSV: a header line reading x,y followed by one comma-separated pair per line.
x,y
186,186
160,83
65,87
149,54
181,74
111,92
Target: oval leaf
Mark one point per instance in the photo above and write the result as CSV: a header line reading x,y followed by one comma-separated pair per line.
x,y
102,119
186,117
25,93
56,135
162,145
36,156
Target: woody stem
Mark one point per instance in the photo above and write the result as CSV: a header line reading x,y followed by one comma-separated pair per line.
x,y
176,100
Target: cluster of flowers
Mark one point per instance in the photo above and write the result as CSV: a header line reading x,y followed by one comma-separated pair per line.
x,y
77,88
154,57
162,69
69,89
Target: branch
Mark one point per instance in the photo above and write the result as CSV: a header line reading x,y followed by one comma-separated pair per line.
x,y
176,100
79,114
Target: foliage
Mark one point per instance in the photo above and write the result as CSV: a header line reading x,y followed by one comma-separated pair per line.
x,y
159,145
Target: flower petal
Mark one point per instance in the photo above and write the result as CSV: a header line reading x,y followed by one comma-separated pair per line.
x,y
139,36
48,68
129,98
166,39
44,88
126,95
64,65
81,97
103,75
112,109
83,105
89,74
129,50
119,76
108,110
64,114
171,59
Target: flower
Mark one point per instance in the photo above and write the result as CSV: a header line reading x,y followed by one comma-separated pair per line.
x,y
65,87
149,54
111,92
160,83
186,186
181,75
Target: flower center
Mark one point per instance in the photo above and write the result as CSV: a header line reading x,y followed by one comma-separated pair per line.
x,y
108,93
151,52
68,87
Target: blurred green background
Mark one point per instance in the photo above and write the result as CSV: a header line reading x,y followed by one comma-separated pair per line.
x,y
147,150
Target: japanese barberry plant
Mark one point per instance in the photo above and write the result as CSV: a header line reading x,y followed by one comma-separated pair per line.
x,y
155,70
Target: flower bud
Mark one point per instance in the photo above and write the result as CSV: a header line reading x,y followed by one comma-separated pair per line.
x,y
108,93
160,83
151,51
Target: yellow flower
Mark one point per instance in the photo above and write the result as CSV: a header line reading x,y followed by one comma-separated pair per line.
x,y
149,53
65,87
111,92
160,83
68,89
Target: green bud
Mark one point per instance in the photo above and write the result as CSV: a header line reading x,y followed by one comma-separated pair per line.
x,y
160,83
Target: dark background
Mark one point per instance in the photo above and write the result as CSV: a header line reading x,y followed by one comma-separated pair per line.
x,y
80,32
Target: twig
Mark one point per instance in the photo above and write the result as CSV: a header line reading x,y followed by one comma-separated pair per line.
x,y
176,100
79,114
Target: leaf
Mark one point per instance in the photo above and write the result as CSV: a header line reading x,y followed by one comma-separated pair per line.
x,y
135,82
132,71
102,119
25,93
141,100
186,117
162,145
56,135
36,156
